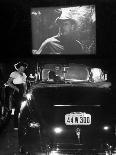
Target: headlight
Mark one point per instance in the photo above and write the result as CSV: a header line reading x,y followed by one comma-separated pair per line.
x,y
58,130
106,127
54,153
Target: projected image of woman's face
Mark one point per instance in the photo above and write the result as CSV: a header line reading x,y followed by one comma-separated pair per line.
x,y
66,27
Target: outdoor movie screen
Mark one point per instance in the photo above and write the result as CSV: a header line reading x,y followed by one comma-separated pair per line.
x,y
64,30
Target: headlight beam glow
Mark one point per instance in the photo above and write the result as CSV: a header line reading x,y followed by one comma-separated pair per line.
x,y
58,130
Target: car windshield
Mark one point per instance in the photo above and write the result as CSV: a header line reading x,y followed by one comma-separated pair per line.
x,y
70,84
70,72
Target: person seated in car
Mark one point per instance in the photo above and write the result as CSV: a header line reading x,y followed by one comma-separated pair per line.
x,y
53,77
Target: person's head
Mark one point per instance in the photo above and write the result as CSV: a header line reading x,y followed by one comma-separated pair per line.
x,y
20,67
66,25
52,74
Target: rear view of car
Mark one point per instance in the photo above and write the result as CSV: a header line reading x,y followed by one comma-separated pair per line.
x,y
65,118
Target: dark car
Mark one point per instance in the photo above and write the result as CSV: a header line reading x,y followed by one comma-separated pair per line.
x,y
5,112
65,116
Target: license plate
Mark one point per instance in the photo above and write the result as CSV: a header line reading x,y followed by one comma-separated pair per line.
x,y
78,118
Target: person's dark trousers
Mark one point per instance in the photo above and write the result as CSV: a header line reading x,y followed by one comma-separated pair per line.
x,y
17,104
17,108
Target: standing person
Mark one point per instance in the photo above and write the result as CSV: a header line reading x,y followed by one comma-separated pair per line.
x,y
17,81
64,42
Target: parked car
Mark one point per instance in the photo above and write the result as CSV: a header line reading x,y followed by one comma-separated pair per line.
x,y
4,108
65,116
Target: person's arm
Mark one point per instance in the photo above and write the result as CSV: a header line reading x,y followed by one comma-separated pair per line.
x,y
11,85
43,48
40,50
50,46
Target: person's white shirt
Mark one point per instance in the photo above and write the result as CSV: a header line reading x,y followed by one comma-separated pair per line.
x,y
18,78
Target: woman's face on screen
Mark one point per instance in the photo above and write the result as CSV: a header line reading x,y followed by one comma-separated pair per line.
x,y
66,27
